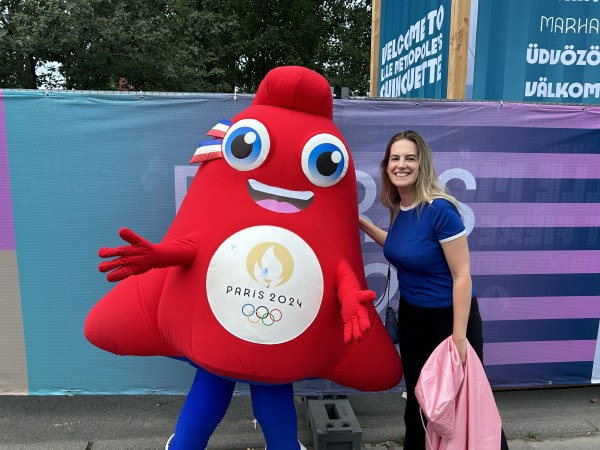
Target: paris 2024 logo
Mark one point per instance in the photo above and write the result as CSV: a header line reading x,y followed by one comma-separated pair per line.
x,y
257,289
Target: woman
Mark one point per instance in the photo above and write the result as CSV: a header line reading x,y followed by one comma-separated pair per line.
x,y
427,244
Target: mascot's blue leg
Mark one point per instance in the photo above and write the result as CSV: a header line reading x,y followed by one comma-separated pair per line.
x,y
204,408
275,411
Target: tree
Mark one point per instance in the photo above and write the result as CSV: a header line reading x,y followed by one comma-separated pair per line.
x,y
347,50
332,37
180,45
160,45
272,33
23,25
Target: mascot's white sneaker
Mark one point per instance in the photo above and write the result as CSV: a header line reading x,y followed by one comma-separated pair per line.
x,y
171,438
169,441
302,447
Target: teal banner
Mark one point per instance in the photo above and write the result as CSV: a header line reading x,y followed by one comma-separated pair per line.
x,y
538,51
413,51
81,166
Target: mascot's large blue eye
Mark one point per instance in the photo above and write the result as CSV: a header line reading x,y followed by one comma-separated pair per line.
x,y
246,144
325,160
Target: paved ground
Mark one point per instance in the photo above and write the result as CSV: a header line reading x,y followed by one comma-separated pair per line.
x,y
550,419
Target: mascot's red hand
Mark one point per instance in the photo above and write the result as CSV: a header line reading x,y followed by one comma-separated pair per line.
x,y
352,297
142,255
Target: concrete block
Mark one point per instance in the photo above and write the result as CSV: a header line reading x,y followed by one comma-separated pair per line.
x,y
334,425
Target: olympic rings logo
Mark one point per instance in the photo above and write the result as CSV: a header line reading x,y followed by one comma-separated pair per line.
x,y
261,314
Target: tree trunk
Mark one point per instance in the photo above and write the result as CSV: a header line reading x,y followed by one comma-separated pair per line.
x,y
32,78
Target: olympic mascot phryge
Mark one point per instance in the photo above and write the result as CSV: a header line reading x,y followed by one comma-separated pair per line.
x,y
260,277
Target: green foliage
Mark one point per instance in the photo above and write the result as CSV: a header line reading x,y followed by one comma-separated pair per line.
x,y
274,33
347,52
180,45
23,25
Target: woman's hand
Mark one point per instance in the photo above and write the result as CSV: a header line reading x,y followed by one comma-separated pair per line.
x,y
461,346
372,230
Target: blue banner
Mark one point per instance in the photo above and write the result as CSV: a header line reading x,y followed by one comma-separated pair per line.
x,y
538,51
413,50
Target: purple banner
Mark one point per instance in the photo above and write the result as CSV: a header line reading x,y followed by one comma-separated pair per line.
x,y
472,114
492,215
7,234
539,352
520,165
527,177
523,262
525,308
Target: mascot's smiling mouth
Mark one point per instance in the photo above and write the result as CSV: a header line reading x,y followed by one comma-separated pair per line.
x,y
277,199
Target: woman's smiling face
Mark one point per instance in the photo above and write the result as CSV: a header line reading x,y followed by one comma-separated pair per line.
x,y
403,164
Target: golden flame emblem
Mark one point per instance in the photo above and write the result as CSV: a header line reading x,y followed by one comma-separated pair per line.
x,y
270,264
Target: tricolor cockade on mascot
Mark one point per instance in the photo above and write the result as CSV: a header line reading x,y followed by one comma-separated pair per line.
x,y
260,276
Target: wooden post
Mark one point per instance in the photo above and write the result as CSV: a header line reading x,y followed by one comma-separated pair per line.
x,y
459,49
375,38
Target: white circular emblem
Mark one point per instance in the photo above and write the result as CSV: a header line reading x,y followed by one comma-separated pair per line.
x,y
265,285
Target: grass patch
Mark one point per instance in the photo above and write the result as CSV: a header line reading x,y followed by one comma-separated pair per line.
x,y
533,436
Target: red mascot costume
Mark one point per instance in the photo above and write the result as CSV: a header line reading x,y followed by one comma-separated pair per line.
x,y
260,276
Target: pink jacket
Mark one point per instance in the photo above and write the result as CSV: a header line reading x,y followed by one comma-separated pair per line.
x,y
457,401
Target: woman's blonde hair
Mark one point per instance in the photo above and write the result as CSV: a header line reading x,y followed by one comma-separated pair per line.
x,y
428,185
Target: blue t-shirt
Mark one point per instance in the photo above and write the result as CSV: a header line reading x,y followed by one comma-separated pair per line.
x,y
413,247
